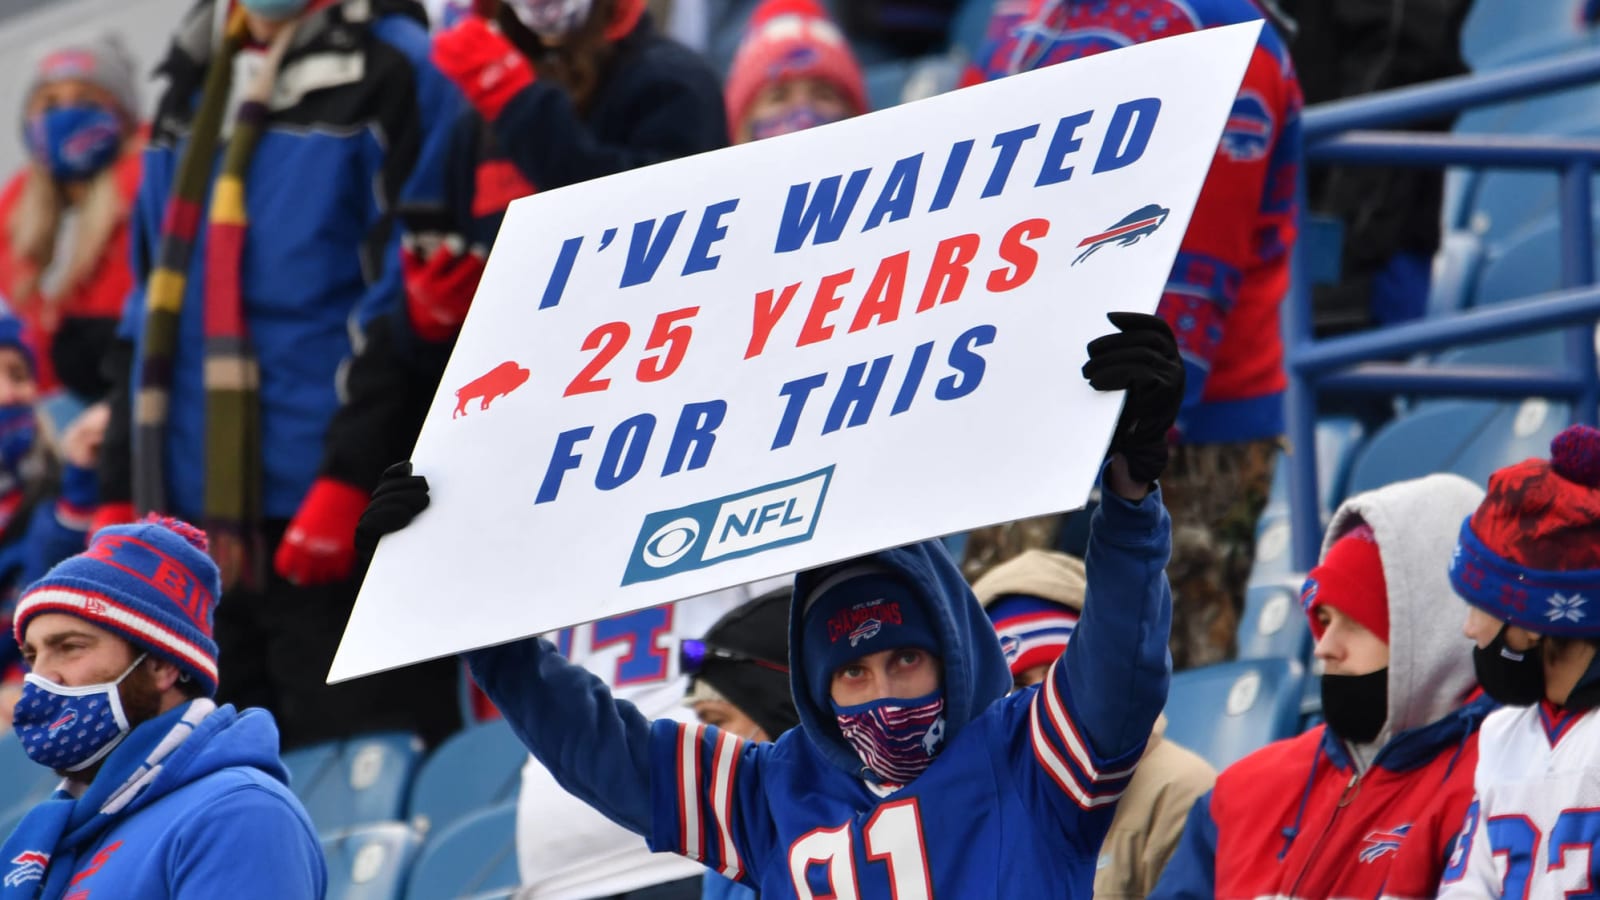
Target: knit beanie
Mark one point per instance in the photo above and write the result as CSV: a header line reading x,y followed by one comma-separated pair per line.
x,y
150,583
858,611
103,62
1034,600
1350,579
758,630
1530,554
11,336
788,40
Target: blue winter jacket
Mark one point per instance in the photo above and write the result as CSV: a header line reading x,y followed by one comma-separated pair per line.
x,y
1017,802
356,136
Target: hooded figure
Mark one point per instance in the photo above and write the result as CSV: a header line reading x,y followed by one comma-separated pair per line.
x,y
1368,803
1528,563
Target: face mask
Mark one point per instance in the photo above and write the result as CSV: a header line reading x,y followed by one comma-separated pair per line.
x,y
552,18
795,118
276,10
70,728
896,739
1356,706
1512,678
19,426
75,142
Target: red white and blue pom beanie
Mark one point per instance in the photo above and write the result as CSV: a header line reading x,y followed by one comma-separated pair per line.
x,y
858,611
1530,554
1034,600
150,583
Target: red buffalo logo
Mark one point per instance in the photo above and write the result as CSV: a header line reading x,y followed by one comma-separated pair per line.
x,y
497,382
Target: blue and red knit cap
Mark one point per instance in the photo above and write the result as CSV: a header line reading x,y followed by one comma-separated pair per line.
x,y
150,583
1530,554
858,611
11,335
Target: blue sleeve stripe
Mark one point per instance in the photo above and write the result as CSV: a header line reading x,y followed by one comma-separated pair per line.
x,y
1075,773
704,751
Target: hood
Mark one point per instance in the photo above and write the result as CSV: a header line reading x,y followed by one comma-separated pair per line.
x,y
975,671
1416,524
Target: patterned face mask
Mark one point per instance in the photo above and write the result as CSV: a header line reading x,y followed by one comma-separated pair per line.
x,y
896,738
70,728
74,142
552,18
795,118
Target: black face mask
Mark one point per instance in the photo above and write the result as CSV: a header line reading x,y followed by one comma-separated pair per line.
x,y
1509,677
1356,706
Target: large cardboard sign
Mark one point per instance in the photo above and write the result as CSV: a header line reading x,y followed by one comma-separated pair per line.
x,y
790,352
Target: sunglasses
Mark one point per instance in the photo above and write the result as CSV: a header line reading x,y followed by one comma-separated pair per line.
x,y
693,656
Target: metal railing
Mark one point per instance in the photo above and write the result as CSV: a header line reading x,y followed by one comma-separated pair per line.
x,y
1362,363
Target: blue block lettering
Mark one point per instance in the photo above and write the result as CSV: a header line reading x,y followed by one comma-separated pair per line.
x,y
857,394
1065,143
899,192
797,391
826,212
648,248
562,272
696,433
1129,134
1009,143
967,363
953,169
711,231
625,451
562,461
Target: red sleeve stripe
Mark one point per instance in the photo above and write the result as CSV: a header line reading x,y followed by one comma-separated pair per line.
x,y
690,833
1056,767
1069,732
727,764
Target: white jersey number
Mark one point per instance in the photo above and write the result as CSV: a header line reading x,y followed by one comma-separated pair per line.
x,y
892,836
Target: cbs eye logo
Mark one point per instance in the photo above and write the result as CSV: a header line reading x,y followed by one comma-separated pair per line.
x,y
671,542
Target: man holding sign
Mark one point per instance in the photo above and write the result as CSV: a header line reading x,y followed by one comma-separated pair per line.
x,y
913,774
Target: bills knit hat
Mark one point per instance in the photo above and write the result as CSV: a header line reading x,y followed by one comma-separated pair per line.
x,y
11,336
1350,579
1034,600
103,62
788,40
151,583
1530,554
858,611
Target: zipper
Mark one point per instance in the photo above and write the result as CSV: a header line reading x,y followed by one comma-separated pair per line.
x,y
1350,791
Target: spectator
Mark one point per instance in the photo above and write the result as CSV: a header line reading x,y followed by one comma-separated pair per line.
x,y
1368,803
1035,601
907,722
166,794
794,70
1528,564
740,684
64,248
45,499
241,320
1222,297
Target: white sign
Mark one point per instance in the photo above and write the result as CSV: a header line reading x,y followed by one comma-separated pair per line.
x,y
791,352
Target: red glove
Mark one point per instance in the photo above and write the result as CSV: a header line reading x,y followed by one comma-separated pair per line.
x,y
320,545
108,514
487,68
441,276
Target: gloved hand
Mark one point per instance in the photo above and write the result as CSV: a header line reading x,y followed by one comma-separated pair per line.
x,y
441,276
483,64
320,545
108,514
399,498
1141,358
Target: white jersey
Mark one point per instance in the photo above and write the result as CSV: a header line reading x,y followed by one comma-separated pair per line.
x,y
1532,829
566,850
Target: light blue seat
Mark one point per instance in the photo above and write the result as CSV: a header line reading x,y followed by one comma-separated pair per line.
x,y
1273,624
1226,711
369,862
475,855
1472,438
1338,437
475,769
356,781
1500,32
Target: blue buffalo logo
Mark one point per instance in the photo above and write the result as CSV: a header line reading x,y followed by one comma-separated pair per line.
x,y
1248,135
67,720
1142,222
1011,647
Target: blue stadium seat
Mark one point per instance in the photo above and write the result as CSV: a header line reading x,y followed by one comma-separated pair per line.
x,y
1226,711
1338,437
1498,32
971,27
1455,272
886,82
354,782
475,855
23,782
1273,624
1470,437
476,768
1522,264
369,862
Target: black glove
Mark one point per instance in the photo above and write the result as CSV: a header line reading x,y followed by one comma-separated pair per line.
x,y
1141,358
399,498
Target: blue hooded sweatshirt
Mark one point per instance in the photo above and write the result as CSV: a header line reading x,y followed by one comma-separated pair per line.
x,y
213,819
1018,800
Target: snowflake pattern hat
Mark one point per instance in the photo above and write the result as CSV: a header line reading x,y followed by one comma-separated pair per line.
x,y
1530,554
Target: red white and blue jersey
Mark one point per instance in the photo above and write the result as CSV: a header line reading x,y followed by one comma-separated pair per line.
x,y
1232,272
1533,827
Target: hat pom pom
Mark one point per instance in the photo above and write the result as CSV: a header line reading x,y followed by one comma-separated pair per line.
x,y
193,535
1575,455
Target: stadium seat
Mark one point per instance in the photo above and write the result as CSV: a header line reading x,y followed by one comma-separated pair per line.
x,y
886,83
476,768
1273,624
354,782
1522,264
1499,32
369,862
474,856
970,28
1226,711
1469,437
1338,437
23,782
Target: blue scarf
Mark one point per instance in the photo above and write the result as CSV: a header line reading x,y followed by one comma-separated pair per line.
x,y
39,859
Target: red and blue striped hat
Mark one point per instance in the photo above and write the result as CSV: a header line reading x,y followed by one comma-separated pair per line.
x,y
1530,554
150,583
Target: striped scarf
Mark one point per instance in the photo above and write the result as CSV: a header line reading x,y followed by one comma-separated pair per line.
x,y
232,510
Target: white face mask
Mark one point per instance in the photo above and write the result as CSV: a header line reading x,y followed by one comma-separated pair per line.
x,y
552,18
